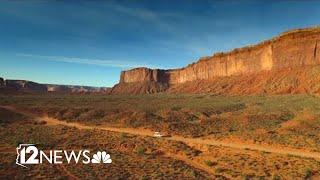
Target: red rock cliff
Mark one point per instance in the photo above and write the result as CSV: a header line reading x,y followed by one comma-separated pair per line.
x,y
143,75
289,50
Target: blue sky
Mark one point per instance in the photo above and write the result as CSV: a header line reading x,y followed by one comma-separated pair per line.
x,y
90,42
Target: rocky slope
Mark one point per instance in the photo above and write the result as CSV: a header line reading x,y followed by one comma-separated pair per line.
x,y
289,53
285,81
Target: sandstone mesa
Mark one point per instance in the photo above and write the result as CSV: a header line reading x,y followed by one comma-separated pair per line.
x,y
290,53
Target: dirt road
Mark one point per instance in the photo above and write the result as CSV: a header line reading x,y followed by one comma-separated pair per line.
x,y
190,141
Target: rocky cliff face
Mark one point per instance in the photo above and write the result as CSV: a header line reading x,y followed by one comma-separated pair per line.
x,y
290,50
144,75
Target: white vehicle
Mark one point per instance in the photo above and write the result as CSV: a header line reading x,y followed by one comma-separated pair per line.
x,y
157,134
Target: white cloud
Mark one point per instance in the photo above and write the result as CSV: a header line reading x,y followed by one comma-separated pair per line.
x,y
98,62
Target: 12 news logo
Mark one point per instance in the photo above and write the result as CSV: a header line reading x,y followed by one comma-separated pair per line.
x,y
28,154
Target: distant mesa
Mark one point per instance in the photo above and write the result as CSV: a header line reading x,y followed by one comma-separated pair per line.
x,y
288,63
24,86
13,86
75,89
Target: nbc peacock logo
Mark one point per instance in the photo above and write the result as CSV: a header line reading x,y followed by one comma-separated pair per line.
x,y
101,157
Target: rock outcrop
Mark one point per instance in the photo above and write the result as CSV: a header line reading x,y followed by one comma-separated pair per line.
x,y
290,50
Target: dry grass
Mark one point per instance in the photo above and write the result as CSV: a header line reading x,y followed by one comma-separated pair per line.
x,y
126,163
291,120
262,119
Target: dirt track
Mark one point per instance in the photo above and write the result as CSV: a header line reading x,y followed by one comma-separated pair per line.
x,y
144,132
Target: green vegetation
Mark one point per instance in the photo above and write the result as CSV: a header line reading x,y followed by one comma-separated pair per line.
x,y
141,150
308,174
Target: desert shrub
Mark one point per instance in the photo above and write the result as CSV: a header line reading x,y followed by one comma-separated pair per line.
x,y
92,114
308,174
247,177
276,177
176,108
72,114
210,163
219,170
191,173
123,137
10,117
141,150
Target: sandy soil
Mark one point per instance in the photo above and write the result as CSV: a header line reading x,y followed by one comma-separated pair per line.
x,y
190,141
